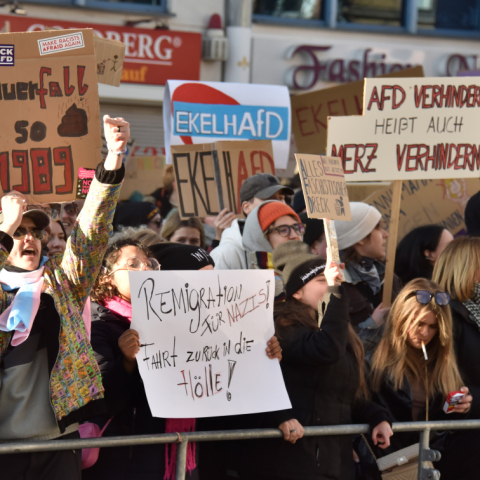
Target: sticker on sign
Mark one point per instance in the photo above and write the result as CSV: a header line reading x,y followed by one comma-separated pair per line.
x,y
7,58
72,41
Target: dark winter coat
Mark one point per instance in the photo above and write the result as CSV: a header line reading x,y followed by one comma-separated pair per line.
x,y
362,301
460,458
127,403
322,377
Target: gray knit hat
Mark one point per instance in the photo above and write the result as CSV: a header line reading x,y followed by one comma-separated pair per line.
x,y
297,265
364,219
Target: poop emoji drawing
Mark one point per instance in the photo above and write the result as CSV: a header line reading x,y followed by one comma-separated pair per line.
x,y
74,123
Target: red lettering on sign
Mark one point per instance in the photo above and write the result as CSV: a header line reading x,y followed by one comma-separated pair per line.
x,y
20,160
5,171
63,156
42,170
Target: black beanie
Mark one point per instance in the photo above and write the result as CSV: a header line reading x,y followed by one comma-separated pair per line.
x,y
303,273
134,214
472,215
177,256
314,229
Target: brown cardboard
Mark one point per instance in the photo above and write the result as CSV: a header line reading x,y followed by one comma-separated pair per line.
x,y
144,174
428,202
50,125
311,110
359,191
110,55
324,187
209,176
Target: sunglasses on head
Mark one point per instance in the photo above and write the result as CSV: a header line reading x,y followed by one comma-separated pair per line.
x,y
52,212
21,233
425,297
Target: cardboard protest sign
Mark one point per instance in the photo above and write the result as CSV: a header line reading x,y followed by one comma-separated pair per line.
x,y
110,55
199,112
425,202
412,128
324,188
310,111
204,335
209,176
144,174
50,125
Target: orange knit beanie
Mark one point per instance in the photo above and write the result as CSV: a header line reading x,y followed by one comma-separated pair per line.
x,y
268,213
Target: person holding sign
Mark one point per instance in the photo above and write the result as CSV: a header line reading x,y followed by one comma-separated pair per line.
x,y
116,347
50,379
362,243
413,369
323,373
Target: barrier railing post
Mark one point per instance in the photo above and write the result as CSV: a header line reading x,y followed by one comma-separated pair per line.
x,y
426,455
181,466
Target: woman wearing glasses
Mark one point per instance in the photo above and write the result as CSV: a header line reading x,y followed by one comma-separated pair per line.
x,y
457,271
413,368
50,380
269,225
116,347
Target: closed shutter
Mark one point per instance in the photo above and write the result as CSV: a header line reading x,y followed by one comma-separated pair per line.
x,y
146,126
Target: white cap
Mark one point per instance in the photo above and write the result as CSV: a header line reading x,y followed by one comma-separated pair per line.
x,y
364,219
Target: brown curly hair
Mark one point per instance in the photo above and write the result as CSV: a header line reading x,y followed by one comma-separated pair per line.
x,y
103,290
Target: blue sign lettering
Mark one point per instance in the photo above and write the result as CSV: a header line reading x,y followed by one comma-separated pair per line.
x,y
248,122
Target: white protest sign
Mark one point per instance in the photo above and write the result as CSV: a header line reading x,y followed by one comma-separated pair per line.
x,y
204,336
411,129
206,112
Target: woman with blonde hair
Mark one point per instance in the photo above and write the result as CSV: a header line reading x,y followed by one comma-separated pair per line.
x,y
413,368
457,271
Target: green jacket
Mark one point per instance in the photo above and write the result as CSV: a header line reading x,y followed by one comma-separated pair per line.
x,y
75,381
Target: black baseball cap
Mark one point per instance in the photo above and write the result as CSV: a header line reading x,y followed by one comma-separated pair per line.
x,y
38,217
262,186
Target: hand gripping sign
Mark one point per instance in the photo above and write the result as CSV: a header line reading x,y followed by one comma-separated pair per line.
x,y
205,112
203,336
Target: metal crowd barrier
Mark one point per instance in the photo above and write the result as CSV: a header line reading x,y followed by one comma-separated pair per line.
x,y
182,439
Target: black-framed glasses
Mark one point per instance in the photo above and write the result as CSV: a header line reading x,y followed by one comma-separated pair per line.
x,y
284,230
52,212
135,264
425,297
21,232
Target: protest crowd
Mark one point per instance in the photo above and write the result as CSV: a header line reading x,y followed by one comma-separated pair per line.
x,y
345,359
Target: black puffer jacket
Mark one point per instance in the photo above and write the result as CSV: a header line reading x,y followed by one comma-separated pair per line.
x,y
321,375
127,403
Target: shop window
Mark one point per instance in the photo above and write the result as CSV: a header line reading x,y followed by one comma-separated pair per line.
x,y
440,14
303,9
377,12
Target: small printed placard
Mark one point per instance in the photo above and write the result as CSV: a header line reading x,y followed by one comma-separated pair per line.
x,y
7,57
85,177
72,41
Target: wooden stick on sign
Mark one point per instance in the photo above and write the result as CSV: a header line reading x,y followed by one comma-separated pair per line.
x,y
392,242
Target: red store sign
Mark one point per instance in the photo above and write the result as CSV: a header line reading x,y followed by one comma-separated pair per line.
x,y
151,57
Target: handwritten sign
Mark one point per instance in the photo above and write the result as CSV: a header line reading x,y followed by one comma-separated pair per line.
x,y
411,129
50,122
209,176
310,111
204,336
425,202
199,112
324,187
